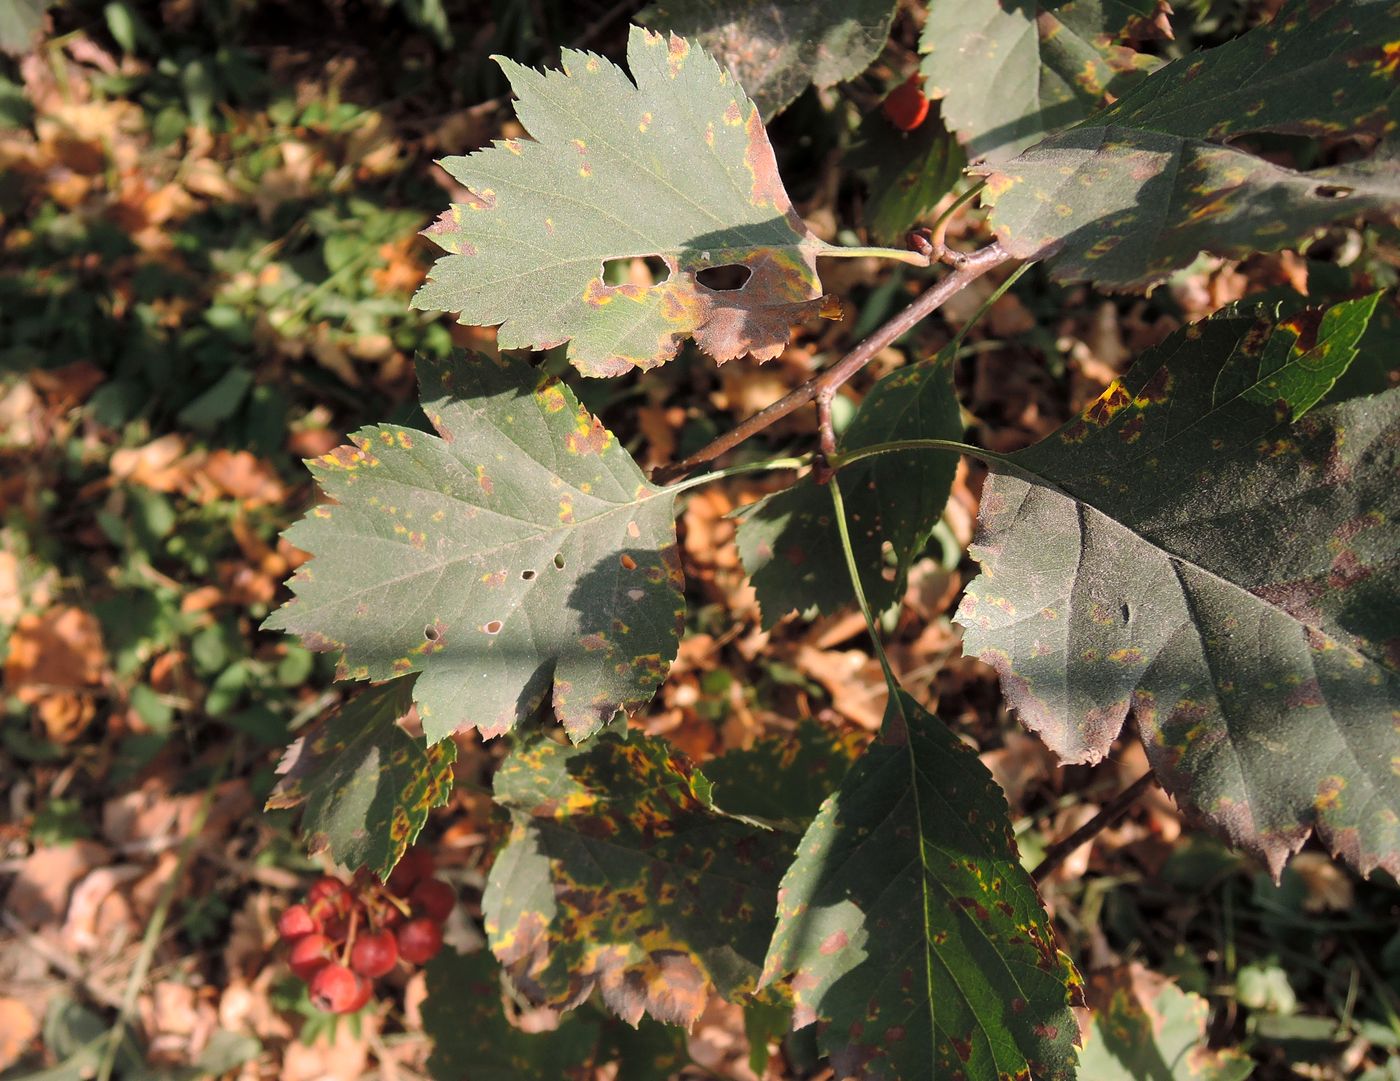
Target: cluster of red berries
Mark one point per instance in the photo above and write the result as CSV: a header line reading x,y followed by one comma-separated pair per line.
x,y
343,937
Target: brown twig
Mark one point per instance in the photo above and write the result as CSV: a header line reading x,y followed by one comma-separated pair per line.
x,y
1110,813
822,388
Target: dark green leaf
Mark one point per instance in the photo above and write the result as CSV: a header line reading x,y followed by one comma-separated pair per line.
x,y
1144,186
789,542
1180,551
20,23
367,784
783,779
908,172
910,928
678,167
472,1038
777,48
520,555
1148,1029
1009,71
620,875
650,1052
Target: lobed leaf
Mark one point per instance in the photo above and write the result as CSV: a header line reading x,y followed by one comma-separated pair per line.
x,y
777,48
910,928
367,784
620,875
518,555
789,542
677,166
1009,71
1180,551
1142,187
1147,1027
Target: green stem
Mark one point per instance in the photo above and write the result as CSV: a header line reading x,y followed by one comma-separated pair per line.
x,y
768,466
901,255
854,571
840,461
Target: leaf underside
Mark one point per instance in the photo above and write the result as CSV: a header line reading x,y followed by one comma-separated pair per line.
x,y
1142,187
619,876
910,929
777,48
518,555
789,542
1180,551
677,166
1009,71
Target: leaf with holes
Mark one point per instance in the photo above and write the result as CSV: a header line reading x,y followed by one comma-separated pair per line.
x,y
620,875
778,48
367,784
1009,71
783,779
1147,1027
676,167
517,555
910,929
1179,550
1139,189
789,542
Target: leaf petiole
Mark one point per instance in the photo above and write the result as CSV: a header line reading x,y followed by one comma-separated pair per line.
x,y
901,255
840,461
768,466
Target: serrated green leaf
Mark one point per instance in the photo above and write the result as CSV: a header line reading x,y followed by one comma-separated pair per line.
x,y
472,1038
1145,1027
1009,71
650,1052
1180,551
1142,187
367,784
908,172
677,166
618,876
519,554
777,48
783,779
911,930
789,542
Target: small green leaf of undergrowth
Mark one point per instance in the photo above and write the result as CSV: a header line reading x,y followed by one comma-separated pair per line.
x,y
1179,550
1008,71
777,48
1145,1027
781,780
910,928
472,1037
367,784
619,875
678,167
789,542
518,554
907,172
1142,187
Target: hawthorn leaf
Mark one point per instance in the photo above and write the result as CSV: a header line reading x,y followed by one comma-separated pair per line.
x,y
906,172
783,779
1142,187
367,784
1180,551
1009,71
677,166
20,23
518,555
464,1017
789,542
777,48
911,930
1146,1027
620,875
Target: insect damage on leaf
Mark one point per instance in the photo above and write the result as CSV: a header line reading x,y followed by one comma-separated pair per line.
x,y
517,555
676,167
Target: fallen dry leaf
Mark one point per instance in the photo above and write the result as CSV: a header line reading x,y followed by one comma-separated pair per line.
x,y
18,1027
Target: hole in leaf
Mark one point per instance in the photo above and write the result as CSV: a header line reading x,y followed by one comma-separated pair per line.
x,y
558,561
724,279
1126,614
527,576
628,563
643,270
432,634
1332,191
494,627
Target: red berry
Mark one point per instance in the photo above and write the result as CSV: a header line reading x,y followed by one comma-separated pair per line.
x,y
366,989
433,897
416,864
420,940
332,890
310,953
374,953
295,922
335,988
906,106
